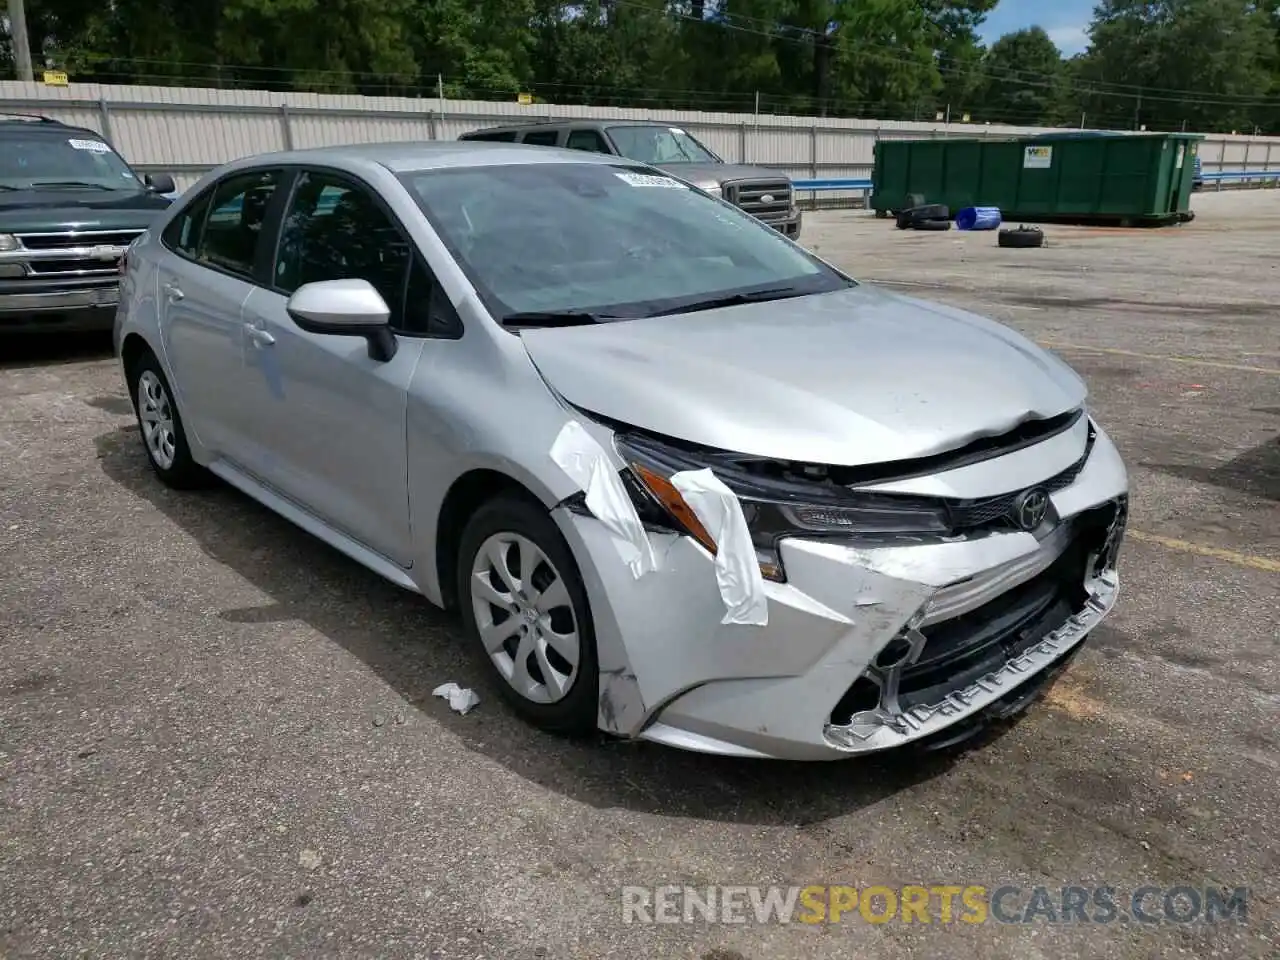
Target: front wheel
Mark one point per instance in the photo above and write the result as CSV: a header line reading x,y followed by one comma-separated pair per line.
x,y
524,603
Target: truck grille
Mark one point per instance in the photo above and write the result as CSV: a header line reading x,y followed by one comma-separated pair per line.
x,y
78,238
75,253
767,199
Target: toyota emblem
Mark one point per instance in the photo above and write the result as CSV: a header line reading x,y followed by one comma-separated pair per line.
x,y
1030,508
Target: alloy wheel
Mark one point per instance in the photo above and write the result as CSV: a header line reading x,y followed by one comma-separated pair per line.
x,y
155,413
525,617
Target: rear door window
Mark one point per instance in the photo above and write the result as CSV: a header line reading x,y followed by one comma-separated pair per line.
x,y
542,138
230,240
589,140
183,234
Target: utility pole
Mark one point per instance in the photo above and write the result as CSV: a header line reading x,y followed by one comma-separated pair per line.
x,y
21,45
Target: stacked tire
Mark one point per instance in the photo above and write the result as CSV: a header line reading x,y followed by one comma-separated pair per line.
x,y
925,216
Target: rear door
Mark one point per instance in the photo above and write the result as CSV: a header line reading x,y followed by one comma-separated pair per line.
x,y
205,276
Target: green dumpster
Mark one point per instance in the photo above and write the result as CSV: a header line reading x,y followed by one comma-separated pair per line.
x,y
1077,177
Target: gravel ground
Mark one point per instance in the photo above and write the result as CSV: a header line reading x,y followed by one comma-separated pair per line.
x,y
217,737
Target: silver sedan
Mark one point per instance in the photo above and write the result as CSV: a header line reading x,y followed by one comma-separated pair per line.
x,y
682,479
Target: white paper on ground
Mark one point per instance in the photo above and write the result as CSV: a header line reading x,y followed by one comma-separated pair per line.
x,y
737,568
461,699
578,454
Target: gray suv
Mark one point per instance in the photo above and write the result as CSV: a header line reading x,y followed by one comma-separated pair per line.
x,y
765,194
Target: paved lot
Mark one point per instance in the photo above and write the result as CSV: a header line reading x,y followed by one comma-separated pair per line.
x,y
217,737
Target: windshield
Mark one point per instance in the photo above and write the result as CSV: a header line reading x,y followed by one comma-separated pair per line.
x,y
28,162
658,144
614,241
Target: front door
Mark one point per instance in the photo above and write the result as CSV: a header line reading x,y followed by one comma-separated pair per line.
x,y
329,423
205,275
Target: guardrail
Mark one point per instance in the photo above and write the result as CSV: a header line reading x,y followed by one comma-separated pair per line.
x,y
842,183
1239,176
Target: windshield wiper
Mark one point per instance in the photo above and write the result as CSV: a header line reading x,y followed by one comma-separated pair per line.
x,y
555,318
70,183
5,186
733,300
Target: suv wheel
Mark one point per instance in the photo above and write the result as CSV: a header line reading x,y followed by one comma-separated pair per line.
x,y
524,603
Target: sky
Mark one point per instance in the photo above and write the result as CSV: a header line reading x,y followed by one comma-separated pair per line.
x,y
1064,20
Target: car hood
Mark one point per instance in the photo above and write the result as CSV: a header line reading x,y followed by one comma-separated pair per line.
x,y
721,172
855,377
52,211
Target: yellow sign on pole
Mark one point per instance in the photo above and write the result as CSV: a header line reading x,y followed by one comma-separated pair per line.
x,y
56,78
524,99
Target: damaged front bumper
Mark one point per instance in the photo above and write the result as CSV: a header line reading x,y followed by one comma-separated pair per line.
x,y
866,649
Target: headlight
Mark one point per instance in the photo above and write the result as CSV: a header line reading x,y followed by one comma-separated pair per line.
x,y
711,188
775,505
8,242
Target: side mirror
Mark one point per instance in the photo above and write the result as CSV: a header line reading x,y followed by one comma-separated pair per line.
x,y
159,183
345,308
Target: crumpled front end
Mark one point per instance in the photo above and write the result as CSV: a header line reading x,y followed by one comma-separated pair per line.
x,y
868,645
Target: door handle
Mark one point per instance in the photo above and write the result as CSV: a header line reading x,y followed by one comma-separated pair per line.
x,y
259,336
174,292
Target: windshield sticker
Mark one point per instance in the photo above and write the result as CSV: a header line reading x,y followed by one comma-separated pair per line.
x,y
648,180
93,146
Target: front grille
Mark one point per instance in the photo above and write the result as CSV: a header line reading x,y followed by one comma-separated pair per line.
x,y
751,196
78,238
971,515
74,267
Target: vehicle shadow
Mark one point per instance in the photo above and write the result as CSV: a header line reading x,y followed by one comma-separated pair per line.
x,y
45,349
414,648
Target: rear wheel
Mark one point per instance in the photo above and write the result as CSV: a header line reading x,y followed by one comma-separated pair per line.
x,y
160,424
524,604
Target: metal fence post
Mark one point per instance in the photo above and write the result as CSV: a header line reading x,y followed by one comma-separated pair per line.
x,y
813,151
742,143
104,115
286,128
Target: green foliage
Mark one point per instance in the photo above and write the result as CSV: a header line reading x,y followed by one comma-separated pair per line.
x,y
1205,64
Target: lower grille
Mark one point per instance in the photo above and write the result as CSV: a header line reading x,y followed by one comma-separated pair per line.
x,y
766,199
959,651
74,267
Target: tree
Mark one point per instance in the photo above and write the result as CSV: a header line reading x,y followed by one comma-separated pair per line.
x,y
1202,64
1022,79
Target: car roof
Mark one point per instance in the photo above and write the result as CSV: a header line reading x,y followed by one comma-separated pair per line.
x,y
413,156
567,122
34,123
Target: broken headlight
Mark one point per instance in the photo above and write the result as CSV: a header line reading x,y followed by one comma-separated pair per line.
x,y
778,501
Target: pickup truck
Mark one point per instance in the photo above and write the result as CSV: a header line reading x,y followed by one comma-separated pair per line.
x,y
69,207
765,194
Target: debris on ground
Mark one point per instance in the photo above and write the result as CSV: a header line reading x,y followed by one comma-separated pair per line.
x,y
461,699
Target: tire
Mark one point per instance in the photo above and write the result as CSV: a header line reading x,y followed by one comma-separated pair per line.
x,y
164,436
1023,238
904,221
551,692
932,225
913,200
928,211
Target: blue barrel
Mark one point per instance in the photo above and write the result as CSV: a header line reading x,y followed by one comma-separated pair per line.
x,y
978,218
